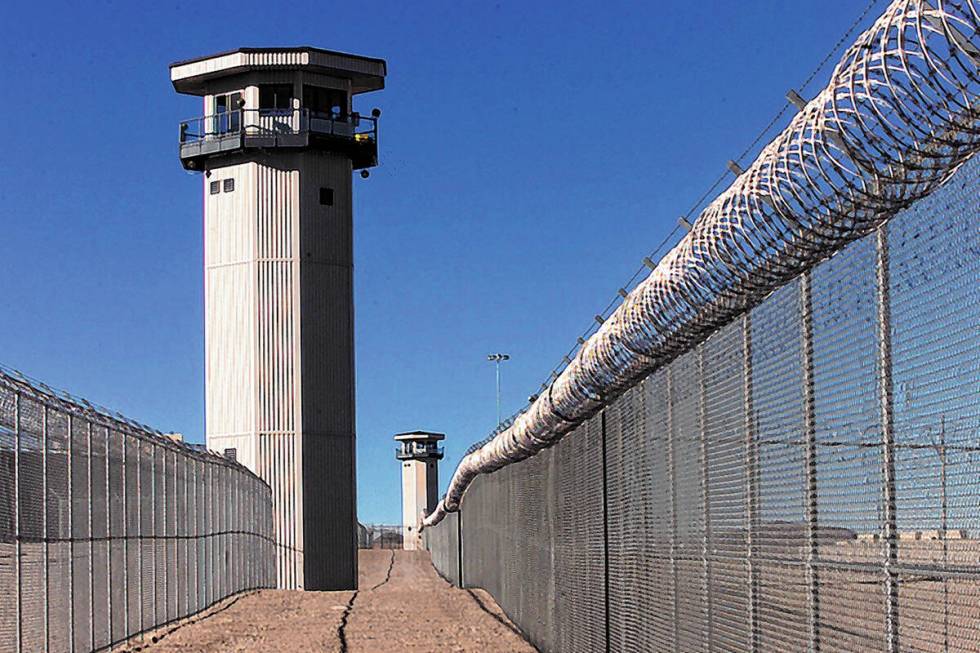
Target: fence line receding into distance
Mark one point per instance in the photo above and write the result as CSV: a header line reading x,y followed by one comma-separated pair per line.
x,y
774,442
899,115
807,478
109,529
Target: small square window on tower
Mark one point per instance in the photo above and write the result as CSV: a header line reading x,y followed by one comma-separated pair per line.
x,y
215,187
326,196
231,453
229,185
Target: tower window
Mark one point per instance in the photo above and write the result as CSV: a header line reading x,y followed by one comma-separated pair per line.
x,y
326,196
227,116
324,102
229,185
231,454
215,187
276,96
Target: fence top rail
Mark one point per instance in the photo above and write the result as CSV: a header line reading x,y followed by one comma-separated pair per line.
x,y
65,402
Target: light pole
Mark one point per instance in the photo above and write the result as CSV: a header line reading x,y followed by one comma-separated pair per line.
x,y
497,359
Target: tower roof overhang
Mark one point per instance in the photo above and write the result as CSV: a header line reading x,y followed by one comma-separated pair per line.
x,y
417,436
193,76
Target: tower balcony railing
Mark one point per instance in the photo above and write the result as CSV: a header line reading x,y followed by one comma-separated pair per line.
x,y
410,453
268,128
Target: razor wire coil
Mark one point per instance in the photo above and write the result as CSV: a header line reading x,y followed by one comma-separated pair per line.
x,y
898,116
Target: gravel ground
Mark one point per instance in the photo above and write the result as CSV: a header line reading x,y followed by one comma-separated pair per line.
x,y
402,605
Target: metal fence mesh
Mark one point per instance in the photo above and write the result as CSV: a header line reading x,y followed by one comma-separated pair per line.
x,y
108,529
805,479
380,536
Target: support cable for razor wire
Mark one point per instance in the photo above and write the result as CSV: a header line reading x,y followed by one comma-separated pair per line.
x,y
900,113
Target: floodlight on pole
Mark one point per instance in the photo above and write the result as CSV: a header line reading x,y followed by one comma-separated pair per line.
x,y
497,359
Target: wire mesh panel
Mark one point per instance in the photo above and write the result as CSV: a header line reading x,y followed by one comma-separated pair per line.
x,y
118,568
8,517
726,484
779,537
640,516
57,531
690,563
147,542
195,544
30,481
579,541
99,551
180,515
81,531
134,572
934,264
159,541
530,531
443,542
170,531
102,523
849,451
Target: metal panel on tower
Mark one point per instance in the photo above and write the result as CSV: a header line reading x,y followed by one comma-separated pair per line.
x,y
277,144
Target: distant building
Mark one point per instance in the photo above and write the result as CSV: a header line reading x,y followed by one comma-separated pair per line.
x,y
420,453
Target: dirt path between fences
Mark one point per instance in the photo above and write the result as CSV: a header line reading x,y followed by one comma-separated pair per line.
x,y
401,605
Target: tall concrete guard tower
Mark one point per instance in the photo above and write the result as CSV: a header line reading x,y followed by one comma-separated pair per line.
x,y
420,454
277,144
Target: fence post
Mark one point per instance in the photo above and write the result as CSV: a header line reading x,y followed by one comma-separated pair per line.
x,y
125,536
166,539
605,527
91,539
671,473
174,561
706,500
209,540
186,538
44,516
17,546
71,535
810,461
886,398
139,525
108,539
198,541
153,527
751,491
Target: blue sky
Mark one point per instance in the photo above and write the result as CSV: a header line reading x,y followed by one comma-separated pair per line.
x,y
531,155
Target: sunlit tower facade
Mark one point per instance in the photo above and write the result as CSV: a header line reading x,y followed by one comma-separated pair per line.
x,y
419,453
277,144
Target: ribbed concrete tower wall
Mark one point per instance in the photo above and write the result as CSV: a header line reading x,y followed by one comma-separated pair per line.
x,y
279,348
420,494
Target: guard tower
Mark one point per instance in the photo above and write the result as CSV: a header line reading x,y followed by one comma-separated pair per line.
x,y
277,144
420,454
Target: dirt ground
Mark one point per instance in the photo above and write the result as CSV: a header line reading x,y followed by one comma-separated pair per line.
x,y
401,605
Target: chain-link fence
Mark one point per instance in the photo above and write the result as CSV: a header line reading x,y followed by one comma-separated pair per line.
x,y
108,529
807,478
379,536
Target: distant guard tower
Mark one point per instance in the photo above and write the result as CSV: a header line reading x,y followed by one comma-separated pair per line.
x,y
277,144
420,454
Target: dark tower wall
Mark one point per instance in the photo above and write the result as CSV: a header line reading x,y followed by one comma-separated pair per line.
x,y
327,354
